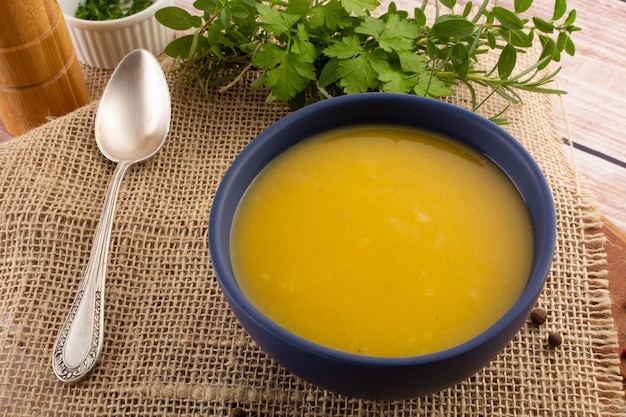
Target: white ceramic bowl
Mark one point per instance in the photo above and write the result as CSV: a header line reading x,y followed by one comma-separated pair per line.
x,y
103,44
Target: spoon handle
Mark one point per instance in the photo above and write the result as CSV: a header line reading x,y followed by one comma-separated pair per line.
x,y
80,340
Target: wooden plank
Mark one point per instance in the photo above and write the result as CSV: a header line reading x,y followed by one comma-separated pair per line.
x,y
606,182
594,78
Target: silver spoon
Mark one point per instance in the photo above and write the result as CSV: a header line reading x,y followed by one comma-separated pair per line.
x,y
131,125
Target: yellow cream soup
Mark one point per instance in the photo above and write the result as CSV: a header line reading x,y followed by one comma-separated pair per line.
x,y
382,242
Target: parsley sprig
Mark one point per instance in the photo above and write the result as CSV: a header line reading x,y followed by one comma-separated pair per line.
x,y
308,50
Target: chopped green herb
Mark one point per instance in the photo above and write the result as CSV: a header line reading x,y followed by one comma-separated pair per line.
x,y
110,9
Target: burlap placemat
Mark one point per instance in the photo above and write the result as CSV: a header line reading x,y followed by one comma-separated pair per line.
x,y
173,347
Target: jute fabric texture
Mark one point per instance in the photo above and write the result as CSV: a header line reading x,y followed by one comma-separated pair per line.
x,y
172,345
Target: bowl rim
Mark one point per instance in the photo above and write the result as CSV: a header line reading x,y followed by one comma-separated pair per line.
x,y
138,17
527,299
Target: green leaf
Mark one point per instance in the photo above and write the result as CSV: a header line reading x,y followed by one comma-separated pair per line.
x,y
399,34
519,38
331,16
288,73
214,34
402,79
217,52
416,63
208,6
298,7
460,60
491,40
560,7
420,16
432,50
329,75
507,61
489,16
571,18
181,47
393,9
394,35
246,26
448,3
225,18
507,18
570,48
429,85
521,6
358,74
542,25
269,56
239,12
468,9
371,26
359,7
348,47
248,47
276,21
395,81
451,26
561,41
548,50
228,43
302,45
177,18
317,17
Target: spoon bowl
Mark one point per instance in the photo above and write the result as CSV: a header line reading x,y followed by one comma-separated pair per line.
x,y
131,125
132,121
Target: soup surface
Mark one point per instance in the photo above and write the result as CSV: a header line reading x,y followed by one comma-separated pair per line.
x,y
382,241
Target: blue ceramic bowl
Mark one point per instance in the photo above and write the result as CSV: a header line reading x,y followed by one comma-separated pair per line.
x,y
375,377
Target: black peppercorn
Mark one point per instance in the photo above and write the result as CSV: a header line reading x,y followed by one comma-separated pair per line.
x,y
555,339
538,316
237,412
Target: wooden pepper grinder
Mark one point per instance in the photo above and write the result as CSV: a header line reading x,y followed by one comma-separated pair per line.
x,y
40,77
